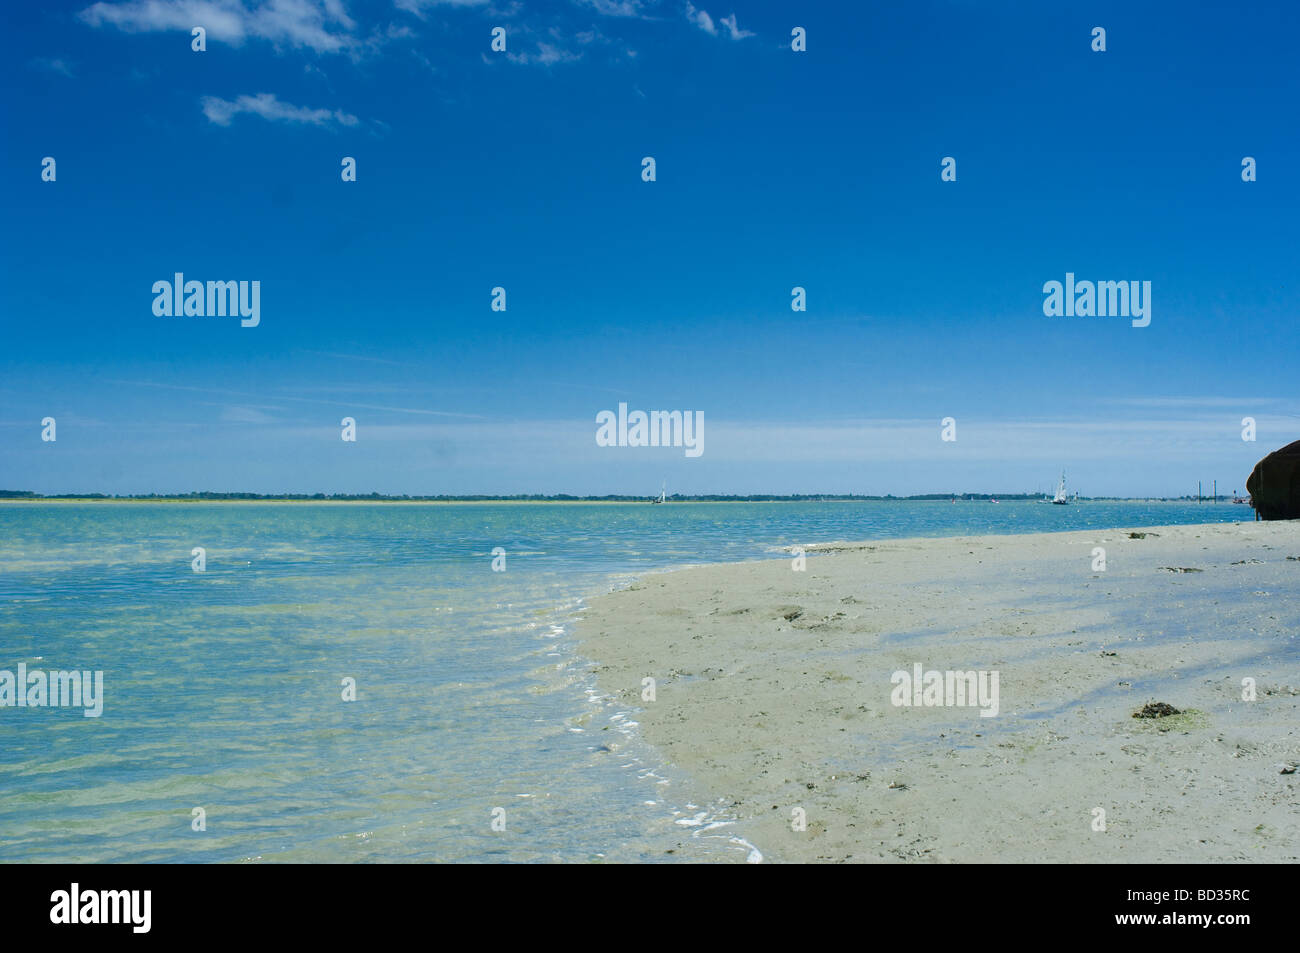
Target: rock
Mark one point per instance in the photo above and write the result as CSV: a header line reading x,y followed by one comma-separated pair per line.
x,y
1156,710
1274,484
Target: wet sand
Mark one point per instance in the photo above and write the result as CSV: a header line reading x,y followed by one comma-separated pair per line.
x,y
774,692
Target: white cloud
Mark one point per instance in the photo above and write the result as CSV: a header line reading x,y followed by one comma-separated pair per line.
x,y
701,19
546,55
245,415
320,25
705,22
735,31
1178,403
419,6
266,105
615,8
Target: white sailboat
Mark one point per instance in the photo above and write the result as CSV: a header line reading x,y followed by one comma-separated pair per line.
x,y
1061,499
663,494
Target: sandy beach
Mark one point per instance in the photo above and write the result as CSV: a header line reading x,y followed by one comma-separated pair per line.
x,y
775,692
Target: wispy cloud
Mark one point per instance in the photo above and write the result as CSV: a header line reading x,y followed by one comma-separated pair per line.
x,y
616,8
1183,403
52,65
363,357
269,107
735,32
706,23
418,7
304,400
320,25
245,415
1192,442
701,19
547,54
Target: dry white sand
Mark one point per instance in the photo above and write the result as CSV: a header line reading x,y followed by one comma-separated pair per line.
x,y
773,692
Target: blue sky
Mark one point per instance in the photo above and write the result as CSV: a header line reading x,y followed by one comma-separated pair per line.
x,y
521,169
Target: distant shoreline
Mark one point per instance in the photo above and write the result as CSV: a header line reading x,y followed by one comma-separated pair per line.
x,y
563,499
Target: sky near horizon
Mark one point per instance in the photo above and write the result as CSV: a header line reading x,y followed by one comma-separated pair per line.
x,y
522,169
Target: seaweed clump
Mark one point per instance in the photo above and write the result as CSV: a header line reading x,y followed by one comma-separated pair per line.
x,y
1156,710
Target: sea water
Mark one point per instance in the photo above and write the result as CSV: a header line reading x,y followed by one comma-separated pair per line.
x,y
477,733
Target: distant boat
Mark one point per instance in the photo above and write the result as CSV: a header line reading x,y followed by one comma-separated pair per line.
x,y
1061,499
663,495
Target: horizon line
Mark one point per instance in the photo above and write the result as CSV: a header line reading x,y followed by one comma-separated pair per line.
x,y
239,496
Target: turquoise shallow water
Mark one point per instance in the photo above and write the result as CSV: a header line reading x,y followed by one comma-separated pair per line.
x,y
222,688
